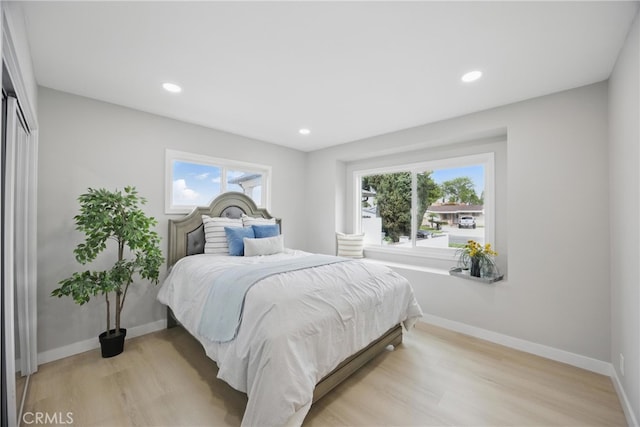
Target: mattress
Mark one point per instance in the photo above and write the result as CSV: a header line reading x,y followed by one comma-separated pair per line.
x,y
296,326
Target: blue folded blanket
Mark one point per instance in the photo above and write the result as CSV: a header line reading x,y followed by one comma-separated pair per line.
x,y
223,309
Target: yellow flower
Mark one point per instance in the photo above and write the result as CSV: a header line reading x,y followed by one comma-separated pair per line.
x,y
474,253
474,249
488,250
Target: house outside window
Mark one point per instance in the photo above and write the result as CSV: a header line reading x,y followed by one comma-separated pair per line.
x,y
193,180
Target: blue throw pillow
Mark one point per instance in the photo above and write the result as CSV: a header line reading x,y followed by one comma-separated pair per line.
x,y
234,238
262,231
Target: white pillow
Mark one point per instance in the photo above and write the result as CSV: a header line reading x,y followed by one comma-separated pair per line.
x,y
264,246
215,238
350,245
248,221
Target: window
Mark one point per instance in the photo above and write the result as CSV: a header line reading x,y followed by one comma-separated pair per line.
x,y
430,208
195,180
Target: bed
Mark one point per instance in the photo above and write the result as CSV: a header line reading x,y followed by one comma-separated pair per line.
x,y
301,333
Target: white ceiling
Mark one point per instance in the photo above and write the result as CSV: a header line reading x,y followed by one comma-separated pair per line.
x,y
345,70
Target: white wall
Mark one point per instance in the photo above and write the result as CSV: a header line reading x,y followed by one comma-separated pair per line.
x,y
624,159
87,143
553,224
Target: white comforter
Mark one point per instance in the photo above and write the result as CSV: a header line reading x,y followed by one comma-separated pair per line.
x,y
296,327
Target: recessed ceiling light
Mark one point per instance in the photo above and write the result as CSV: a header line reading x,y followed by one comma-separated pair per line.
x,y
173,88
472,76
304,131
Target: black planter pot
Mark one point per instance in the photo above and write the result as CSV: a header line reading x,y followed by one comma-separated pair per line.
x,y
475,267
112,345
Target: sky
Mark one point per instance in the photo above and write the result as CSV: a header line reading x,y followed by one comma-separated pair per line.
x,y
475,172
197,184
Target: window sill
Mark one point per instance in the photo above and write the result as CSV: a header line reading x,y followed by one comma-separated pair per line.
x,y
412,267
465,275
437,254
437,263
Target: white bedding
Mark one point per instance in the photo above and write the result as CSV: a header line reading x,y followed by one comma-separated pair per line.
x,y
296,327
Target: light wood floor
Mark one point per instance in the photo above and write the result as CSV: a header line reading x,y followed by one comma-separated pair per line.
x,y
436,377
21,383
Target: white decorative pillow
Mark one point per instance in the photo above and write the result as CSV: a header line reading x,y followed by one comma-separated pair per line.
x,y
264,246
248,221
350,245
215,238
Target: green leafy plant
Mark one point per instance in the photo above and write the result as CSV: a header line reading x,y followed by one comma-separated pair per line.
x,y
113,216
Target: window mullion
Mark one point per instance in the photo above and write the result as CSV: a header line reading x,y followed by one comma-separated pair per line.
x,y
223,180
414,208
357,186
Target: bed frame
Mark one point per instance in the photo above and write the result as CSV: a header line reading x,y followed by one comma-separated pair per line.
x,y
186,237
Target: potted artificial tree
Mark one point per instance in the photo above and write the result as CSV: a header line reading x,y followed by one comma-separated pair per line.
x,y
113,216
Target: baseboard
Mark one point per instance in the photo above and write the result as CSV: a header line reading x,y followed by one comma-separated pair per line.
x,y
573,359
632,421
93,343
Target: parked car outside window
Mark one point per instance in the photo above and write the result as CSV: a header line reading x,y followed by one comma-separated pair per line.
x,y
467,222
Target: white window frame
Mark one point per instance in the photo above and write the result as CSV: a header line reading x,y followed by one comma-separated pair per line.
x,y
487,159
224,164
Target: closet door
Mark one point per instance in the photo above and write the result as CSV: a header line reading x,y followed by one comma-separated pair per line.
x,y
19,256
25,261
8,266
3,291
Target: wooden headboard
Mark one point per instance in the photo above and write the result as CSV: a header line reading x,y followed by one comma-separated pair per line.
x,y
186,235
